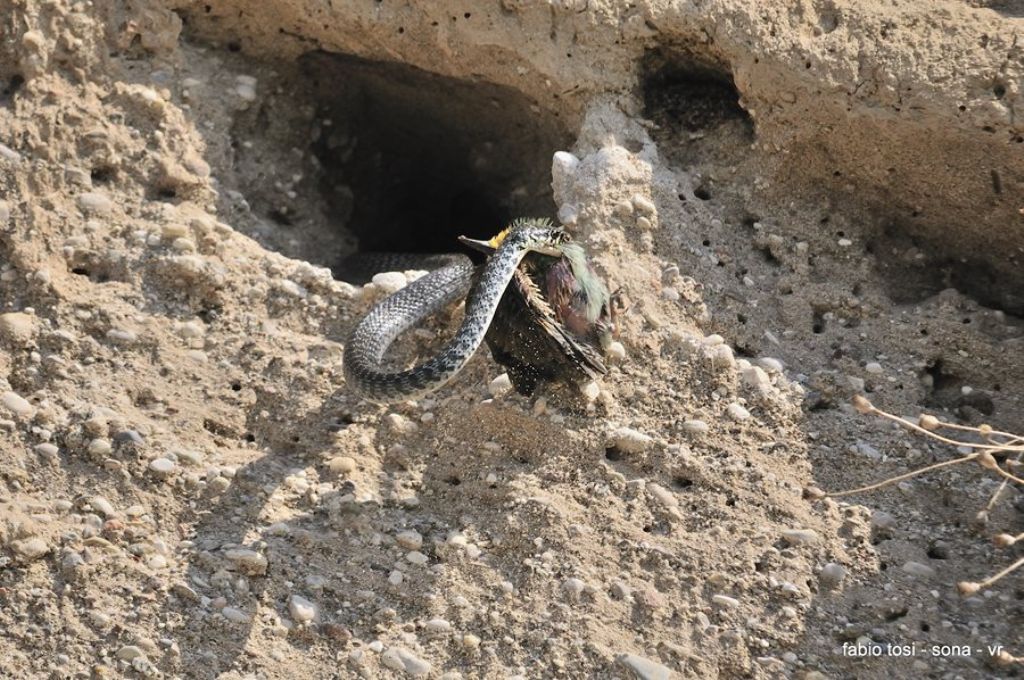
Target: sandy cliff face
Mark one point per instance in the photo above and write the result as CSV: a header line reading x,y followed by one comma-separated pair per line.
x,y
799,202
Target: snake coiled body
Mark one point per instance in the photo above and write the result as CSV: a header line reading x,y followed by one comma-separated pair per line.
x,y
369,342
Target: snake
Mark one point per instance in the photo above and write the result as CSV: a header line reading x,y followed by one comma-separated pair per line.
x,y
369,341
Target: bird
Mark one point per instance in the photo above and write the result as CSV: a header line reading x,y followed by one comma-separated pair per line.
x,y
554,320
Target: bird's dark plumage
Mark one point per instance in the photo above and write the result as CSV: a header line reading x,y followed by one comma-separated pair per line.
x,y
553,322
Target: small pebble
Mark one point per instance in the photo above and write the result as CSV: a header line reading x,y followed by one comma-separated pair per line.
x,y
341,465
17,327
247,561
95,203
410,540
162,466
800,536
695,427
121,336
725,601
103,506
47,450
400,659
99,447
500,386
756,379
832,575
737,412
129,652
16,404
29,549
918,569
769,364
616,351
301,609
437,626
573,587
722,357
234,615
644,205
883,520
644,668
245,88
416,557
873,367
629,440
620,590
390,282
7,153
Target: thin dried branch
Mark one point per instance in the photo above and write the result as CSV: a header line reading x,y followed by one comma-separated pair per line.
x,y
996,444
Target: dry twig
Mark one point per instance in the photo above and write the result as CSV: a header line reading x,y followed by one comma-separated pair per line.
x,y
994,446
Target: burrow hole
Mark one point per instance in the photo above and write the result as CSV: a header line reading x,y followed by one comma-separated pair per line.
x,y
696,105
397,159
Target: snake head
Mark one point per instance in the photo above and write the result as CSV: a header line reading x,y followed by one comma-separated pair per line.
x,y
535,234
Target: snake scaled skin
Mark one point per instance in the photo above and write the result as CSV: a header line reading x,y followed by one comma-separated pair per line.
x,y
404,309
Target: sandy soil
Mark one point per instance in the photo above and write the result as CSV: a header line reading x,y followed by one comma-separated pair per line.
x,y
801,202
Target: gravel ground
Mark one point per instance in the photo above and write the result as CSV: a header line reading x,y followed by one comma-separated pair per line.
x,y
798,205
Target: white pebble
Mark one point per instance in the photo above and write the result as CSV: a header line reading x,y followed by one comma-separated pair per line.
x,y
103,506
162,466
301,609
390,282
47,450
437,626
17,327
121,336
9,154
573,587
722,357
645,669
832,575
16,404
873,367
695,427
416,557
644,205
95,203
769,364
564,163
234,615
247,561
629,440
399,659
30,548
341,465
737,412
99,448
756,379
500,386
725,601
616,351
